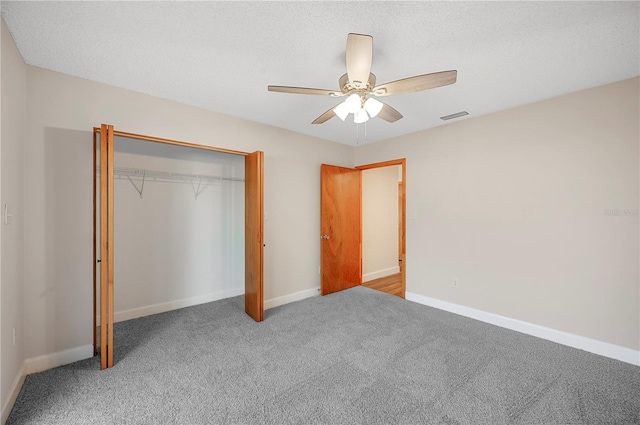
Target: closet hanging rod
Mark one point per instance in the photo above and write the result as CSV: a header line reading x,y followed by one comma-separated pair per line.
x,y
155,175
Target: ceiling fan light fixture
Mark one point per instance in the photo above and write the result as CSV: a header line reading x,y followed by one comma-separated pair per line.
x,y
341,111
359,86
353,103
360,116
373,107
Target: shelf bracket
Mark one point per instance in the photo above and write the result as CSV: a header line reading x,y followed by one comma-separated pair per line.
x,y
197,191
141,188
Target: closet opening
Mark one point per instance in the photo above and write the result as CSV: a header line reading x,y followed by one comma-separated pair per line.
x,y
175,224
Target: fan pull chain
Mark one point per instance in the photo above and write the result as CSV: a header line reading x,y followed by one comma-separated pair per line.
x,y
365,132
358,133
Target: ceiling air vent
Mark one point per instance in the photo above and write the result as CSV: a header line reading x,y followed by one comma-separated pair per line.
x,y
456,115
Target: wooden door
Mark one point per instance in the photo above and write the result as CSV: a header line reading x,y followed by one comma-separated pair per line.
x,y
96,269
341,228
106,246
254,235
400,226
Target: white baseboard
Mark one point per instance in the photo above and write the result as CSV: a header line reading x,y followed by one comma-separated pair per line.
x,y
134,313
13,393
380,273
602,348
286,299
60,358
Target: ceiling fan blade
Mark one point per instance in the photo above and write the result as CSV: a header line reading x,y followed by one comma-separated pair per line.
x,y
305,90
359,58
324,117
417,83
389,114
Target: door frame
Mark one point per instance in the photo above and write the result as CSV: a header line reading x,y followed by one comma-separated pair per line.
x,y
106,190
403,212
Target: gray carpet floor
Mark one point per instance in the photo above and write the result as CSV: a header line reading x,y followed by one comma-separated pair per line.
x,y
354,357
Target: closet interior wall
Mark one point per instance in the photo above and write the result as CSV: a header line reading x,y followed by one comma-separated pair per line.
x,y
178,227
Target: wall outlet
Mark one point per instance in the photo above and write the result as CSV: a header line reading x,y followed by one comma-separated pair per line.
x,y
14,336
454,283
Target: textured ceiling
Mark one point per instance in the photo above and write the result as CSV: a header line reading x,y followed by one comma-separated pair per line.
x,y
222,55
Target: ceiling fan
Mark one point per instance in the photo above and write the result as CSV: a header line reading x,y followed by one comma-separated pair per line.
x,y
359,85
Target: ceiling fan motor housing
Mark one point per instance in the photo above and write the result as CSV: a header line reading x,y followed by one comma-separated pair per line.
x,y
347,88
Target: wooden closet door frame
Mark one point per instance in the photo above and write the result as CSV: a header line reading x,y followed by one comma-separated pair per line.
x,y
106,247
254,235
105,187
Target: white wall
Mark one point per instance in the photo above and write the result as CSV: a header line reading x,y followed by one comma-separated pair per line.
x,y
169,245
379,222
517,206
12,137
62,111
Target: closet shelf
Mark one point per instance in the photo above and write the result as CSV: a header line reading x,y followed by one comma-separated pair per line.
x,y
155,175
197,181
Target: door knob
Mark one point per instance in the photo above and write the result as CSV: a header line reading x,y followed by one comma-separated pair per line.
x,y
325,237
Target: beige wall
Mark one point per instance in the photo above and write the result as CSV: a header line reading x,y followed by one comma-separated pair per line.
x,y
58,292
517,206
13,121
533,210
379,222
